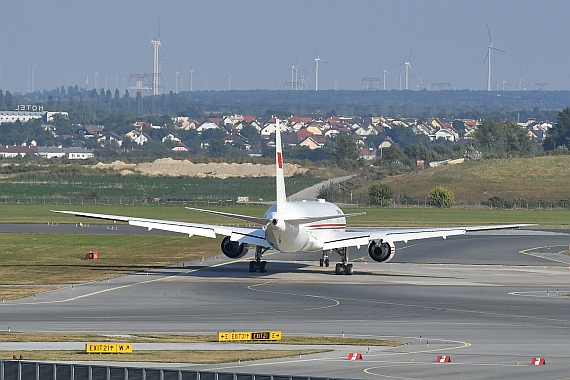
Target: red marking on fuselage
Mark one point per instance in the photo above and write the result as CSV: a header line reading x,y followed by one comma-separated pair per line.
x,y
328,225
280,160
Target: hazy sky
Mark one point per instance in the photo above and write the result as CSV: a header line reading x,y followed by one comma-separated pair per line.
x,y
257,42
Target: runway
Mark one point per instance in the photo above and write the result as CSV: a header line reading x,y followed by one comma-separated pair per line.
x,y
487,300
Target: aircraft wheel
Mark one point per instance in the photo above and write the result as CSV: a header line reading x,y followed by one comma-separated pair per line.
x,y
322,262
338,268
252,266
327,263
263,266
348,269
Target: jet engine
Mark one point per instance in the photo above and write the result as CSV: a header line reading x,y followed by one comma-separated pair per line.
x,y
233,249
381,251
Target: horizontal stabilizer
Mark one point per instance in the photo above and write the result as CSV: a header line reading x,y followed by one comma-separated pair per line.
x,y
312,219
251,219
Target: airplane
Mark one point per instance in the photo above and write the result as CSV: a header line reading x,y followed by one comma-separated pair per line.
x,y
302,226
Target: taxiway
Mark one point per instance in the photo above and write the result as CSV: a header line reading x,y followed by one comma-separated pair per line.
x,y
488,300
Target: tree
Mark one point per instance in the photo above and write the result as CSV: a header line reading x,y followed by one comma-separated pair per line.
x,y
8,100
328,192
439,196
346,154
380,194
559,135
502,138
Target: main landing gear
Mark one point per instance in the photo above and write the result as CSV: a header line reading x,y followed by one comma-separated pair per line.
x,y
257,263
343,267
340,268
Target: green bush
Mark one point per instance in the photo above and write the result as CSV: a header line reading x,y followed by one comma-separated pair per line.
x,y
439,196
380,194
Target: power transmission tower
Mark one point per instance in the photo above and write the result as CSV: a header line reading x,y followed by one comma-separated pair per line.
x,y
371,81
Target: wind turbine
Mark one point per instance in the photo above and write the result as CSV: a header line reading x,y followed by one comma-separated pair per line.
x,y
408,67
317,60
384,78
488,58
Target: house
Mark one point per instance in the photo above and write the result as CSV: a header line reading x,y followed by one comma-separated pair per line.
x,y
268,130
300,120
89,131
207,125
171,137
387,143
365,132
448,134
69,153
536,135
236,140
311,142
249,119
110,136
180,148
142,124
368,153
11,151
138,136
302,134
315,129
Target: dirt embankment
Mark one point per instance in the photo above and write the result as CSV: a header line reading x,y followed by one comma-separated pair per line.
x,y
174,168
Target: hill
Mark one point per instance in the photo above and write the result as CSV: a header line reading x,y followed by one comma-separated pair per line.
x,y
536,178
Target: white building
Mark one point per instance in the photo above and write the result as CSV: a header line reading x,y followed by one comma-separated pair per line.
x,y
70,153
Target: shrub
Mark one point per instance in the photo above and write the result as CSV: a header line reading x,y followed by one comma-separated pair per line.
x,y
439,196
380,194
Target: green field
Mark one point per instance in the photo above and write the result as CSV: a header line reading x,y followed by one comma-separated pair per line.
x,y
400,216
412,216
128,188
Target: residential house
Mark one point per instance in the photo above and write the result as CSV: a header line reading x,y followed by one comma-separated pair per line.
x,y
315,129
207,125
268,130
11,151
142,124
449,134
89,131
110,136
368,153
180,148
73,153
138,136
171,137
313,142
236,140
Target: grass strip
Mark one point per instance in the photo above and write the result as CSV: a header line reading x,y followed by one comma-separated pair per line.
x,y
183,338
37,262
162,356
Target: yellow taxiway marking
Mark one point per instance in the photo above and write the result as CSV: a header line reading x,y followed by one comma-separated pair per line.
x,y
529,252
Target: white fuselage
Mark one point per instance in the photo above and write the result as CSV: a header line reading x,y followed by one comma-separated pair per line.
x,y
302,236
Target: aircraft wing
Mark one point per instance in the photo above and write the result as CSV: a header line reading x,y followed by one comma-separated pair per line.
x,y
240,234
359,238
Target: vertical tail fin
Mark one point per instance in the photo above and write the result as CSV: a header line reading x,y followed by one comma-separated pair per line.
x,y
279,176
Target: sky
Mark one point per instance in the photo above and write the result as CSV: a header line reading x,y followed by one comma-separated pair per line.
x,y
252,44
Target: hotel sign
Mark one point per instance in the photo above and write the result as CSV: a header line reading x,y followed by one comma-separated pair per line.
x,y
30,107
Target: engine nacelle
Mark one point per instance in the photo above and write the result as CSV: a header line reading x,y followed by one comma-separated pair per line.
x,y
233,249
382,251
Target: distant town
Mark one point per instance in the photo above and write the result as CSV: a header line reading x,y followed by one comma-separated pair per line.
x,y
407,129
232,135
